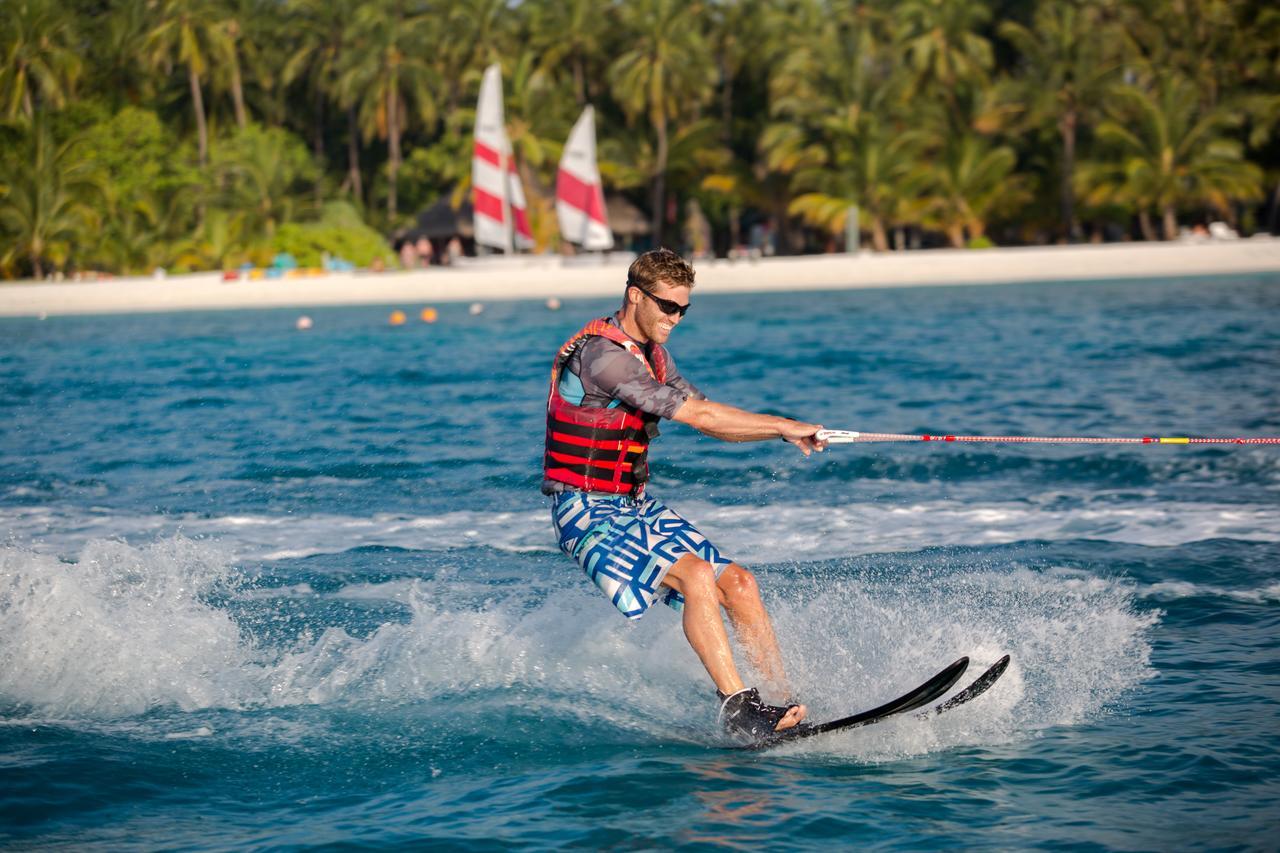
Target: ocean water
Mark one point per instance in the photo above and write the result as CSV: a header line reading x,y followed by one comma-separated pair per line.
x,y
263,588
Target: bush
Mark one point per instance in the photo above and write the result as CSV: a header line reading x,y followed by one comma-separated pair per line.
x,y
340,232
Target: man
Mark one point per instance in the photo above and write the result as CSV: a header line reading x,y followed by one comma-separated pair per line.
x,y
610,385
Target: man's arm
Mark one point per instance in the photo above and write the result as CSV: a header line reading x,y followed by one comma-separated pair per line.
x,y
729,423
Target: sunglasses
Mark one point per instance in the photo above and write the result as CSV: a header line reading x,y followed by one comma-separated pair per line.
x,y
666,306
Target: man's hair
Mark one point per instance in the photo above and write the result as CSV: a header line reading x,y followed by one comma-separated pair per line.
x,y
659,265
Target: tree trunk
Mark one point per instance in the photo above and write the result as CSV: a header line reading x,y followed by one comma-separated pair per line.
x,y
197,102
1274,218
955,236
37,249
726,136
237,95
317,141
1144,222
393,166
353,155
787,241
879,239
317,126
1067,127
726,101
660,182
1170,224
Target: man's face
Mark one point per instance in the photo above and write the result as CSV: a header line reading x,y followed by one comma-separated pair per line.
x,y
655,323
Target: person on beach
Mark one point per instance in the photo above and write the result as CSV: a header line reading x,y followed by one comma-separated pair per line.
x,y
610,385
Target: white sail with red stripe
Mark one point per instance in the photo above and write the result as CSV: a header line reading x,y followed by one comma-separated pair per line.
x,y
501,215
579,194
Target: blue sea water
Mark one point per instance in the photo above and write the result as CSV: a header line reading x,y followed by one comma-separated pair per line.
x,y
270,589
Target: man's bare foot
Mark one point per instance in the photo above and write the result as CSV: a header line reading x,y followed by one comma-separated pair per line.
x,y
744,714
792,718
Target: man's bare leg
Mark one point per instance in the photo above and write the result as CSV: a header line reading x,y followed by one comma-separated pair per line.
x,y
741,599
695,579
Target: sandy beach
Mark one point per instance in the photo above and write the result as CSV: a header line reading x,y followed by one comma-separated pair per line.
x,y
546,276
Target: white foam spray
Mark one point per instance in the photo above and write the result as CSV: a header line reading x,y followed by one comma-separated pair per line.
x,y
127,630
760,534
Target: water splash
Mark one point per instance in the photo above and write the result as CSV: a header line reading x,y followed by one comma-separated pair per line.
x,y
129,630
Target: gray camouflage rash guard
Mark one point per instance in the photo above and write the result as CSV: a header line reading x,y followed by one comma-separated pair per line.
x,y
600,374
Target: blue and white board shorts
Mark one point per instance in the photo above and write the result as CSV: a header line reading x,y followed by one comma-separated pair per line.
x,y
626,546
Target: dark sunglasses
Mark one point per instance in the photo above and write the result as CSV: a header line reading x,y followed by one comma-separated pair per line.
x,y
666,306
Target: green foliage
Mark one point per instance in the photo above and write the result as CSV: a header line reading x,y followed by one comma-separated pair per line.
x,y
339,233
197,134
41,63
428,169
142,155
1169,151
263,175
152,197
50,199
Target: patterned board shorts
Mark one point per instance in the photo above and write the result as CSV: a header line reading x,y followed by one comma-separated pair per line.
x,y
627,545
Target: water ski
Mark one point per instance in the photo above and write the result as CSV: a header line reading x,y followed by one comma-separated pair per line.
x,y
909,701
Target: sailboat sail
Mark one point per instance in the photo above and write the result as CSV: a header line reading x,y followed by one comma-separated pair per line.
x,y
579,195
519,208
501,217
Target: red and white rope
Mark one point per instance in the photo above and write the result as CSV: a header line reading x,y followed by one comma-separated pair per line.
x,y
835,436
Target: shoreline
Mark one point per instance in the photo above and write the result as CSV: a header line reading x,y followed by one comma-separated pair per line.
x,y
551,276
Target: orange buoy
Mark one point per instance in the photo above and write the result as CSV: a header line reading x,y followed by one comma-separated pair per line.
x,y
429,315
396,318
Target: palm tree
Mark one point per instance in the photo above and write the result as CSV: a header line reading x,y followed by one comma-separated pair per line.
x,y
263,172
742,36
695,158
387,80
1203,40
320,36
221,241
943,47
972,178
1070,57
865,163
1170,152
40,62
129,241
48,200
190,33
842,133
117,72
244,22
667,73
469,35
569,36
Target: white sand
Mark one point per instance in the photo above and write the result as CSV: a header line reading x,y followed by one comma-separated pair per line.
x,y
543,277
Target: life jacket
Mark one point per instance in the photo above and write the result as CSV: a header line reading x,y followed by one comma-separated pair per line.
x,y
600,449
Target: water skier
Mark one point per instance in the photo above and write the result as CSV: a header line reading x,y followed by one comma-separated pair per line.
x,y
610,385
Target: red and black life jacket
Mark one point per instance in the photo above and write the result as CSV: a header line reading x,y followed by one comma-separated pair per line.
x,y
599,449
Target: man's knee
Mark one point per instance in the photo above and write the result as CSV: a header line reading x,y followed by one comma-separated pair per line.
x,y
697,577
738,584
